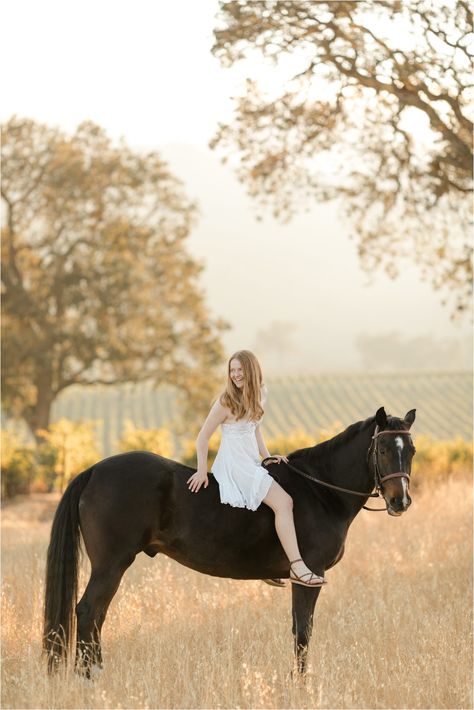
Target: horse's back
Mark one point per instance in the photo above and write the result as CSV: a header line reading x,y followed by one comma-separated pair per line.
x,y
139,501
134,471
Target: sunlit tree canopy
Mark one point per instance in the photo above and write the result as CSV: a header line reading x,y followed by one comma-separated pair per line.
x,y
98,285
375,109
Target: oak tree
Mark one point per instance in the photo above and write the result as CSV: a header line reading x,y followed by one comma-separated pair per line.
x,y
375,109
98,285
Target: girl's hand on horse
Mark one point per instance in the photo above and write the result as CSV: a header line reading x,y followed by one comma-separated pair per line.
x,y
279,458
197,480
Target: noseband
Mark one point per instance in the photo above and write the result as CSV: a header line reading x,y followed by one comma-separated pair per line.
x,y
379,479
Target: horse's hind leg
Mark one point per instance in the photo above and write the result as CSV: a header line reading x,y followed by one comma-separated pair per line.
x,y
91,611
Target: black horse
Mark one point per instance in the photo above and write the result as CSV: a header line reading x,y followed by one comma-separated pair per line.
x,y
140,502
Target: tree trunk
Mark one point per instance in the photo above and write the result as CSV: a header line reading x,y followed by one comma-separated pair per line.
x,y
39,415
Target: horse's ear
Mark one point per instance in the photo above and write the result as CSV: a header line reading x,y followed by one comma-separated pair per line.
x,y
381,418
410,417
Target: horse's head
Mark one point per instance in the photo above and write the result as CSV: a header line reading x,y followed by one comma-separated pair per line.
x,y
390,457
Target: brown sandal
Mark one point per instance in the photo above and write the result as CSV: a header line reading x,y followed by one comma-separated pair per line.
x,y
295,579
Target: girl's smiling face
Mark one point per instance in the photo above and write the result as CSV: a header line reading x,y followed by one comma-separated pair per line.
x,y
236,372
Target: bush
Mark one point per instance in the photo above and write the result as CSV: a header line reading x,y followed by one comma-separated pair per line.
x,y
439,460
160,441
68,448
46,472
18,464
300,439
189,454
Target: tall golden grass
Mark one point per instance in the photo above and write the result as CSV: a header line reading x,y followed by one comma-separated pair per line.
x,y
392,627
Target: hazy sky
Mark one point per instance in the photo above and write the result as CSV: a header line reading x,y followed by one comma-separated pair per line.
x,y
144,70
141,69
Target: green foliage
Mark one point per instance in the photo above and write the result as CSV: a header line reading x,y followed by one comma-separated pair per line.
x,y
45,480
98,285
436,461
384,125
189,455
18,464
159,441
67,448
300,439
70,447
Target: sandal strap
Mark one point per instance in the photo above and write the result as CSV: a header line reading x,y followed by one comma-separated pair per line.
x,y
312,575
305,574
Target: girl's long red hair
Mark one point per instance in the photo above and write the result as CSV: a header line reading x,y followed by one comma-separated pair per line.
x,y
245,401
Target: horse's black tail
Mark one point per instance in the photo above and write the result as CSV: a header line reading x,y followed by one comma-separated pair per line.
x,y
61,573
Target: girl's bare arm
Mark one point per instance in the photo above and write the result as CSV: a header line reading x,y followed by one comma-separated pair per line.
x,y
215,417
263,451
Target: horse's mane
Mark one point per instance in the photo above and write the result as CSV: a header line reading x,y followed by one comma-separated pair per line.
x,y
321,454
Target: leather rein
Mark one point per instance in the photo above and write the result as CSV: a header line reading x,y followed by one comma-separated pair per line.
x,y
379,480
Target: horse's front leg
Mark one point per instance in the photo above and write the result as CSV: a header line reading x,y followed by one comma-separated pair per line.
x,y
304,600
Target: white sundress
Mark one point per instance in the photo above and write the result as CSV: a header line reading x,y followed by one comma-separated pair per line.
x,y
243,482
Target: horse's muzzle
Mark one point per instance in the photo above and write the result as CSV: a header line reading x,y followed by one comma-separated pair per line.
x,y
398,504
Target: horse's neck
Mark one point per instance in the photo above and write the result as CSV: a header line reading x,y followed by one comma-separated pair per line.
x,y
352,465
350,470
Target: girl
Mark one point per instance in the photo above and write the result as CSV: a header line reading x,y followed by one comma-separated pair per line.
x,y
242,480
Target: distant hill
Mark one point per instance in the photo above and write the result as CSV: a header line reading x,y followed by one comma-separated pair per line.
x,y
443,401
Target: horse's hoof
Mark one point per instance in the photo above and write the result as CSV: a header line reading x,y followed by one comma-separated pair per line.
x,y
96,671
299,676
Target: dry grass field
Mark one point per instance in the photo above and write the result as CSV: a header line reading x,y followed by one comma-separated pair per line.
x,y
392,627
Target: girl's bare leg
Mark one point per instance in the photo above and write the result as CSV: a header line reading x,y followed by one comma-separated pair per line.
x,y
282,505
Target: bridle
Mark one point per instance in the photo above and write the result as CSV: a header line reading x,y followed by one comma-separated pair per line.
x,y
379,480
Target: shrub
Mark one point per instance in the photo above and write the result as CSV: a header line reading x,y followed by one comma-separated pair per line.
x,y
18,464
46,472
160,441
69,448
300,439
439,460
189,454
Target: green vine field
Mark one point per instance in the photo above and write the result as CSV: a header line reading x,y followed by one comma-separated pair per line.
x,y
443,401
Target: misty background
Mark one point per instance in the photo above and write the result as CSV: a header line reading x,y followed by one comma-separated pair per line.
x,y
295,293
